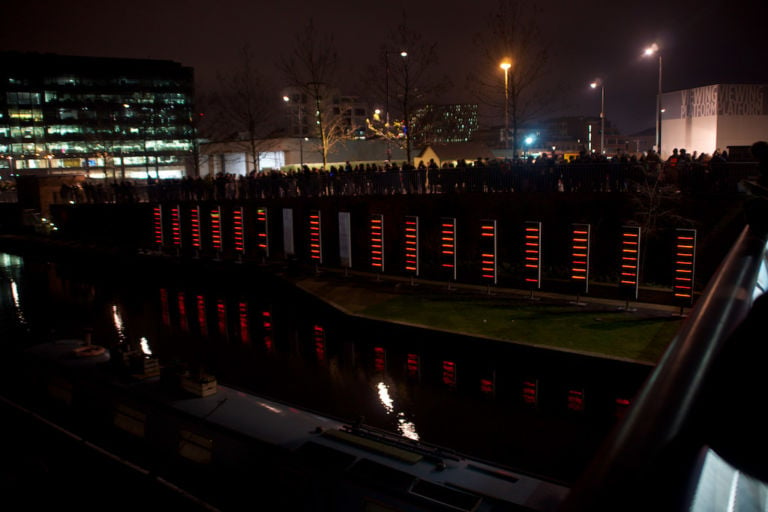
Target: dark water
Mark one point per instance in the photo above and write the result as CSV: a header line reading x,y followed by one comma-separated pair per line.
x,y
537,411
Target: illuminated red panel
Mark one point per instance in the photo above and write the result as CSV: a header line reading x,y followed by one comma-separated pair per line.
x,y
176,226
242,313
488,385
580,244
262,232
576,400
532,253
238,230
530,393
194,225
216,241
266,322
201,316
488,251
379,359
622,404
685,263
164,309
448,245
183,322
157,225
630,259
411,244
376,241
221,316
318,336
315,237
413,365
449,374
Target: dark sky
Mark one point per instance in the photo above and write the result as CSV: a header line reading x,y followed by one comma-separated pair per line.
x,y
703,42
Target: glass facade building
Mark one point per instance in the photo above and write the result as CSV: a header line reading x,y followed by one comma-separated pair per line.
x,y
104,117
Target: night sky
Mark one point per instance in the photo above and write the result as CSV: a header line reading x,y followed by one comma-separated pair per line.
x,y
704,42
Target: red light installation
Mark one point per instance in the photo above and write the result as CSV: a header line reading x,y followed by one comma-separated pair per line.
x,y
266,322
576,400
488,251
413,366
221,316
622,404
411,244
685,262
262,232
315,237
242,313
194,226
176,226
449,374
164,309
180,300
530,392
629,273
157,225
238,230
202,320
532,254
376,239
581,235
488,384
379,359
318,336
448,245
216,241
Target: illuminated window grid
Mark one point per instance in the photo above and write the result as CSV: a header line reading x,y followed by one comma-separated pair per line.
x,y
157,225
448,245
685,261
630,258
262,236
489,249
194,226
581,237
315,237
238,230
411,244
216,241
532,253
377,242
176,226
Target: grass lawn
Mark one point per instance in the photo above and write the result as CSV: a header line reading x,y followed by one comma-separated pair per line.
x,y
637,335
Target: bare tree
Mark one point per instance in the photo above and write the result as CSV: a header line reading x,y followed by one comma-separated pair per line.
x,y
310,68
513,35
409,83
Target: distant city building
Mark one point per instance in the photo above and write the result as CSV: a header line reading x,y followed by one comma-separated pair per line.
x,y
103,117
713,117
347,112
443,124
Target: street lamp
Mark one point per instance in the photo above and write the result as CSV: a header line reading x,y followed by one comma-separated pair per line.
x,y
299,128
651,50
505,65
599,83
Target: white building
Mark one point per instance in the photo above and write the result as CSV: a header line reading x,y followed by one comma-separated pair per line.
x,y
714,117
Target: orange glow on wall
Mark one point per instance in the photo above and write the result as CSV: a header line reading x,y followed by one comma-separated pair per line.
x,y
216,241
194,226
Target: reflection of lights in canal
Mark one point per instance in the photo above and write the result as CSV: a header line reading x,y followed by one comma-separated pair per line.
x,y
405,427
17,302
145,346
117,320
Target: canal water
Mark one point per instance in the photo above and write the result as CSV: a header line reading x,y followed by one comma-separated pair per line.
x,y
538,411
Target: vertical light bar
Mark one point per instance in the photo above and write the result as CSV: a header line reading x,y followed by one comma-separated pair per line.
x,y
685,263
413,365
629,273
262,231
315,237
532,254
581,235
157,225
216,241
266,323
411,244
576,400
176,226
488,251
379,359
194,226
376,242
221,317
488,384
530,392
448,245
238,230
449,374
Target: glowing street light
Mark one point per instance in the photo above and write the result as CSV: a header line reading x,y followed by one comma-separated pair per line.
x,y
505,65
299,128
648,52
599,83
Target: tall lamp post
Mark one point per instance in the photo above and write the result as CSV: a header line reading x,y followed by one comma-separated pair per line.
x,y
505,65
651,50
299,129
595,84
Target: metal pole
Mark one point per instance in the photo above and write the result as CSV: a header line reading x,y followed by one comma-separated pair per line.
x,y
386,104
658,112
602,120
506,108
